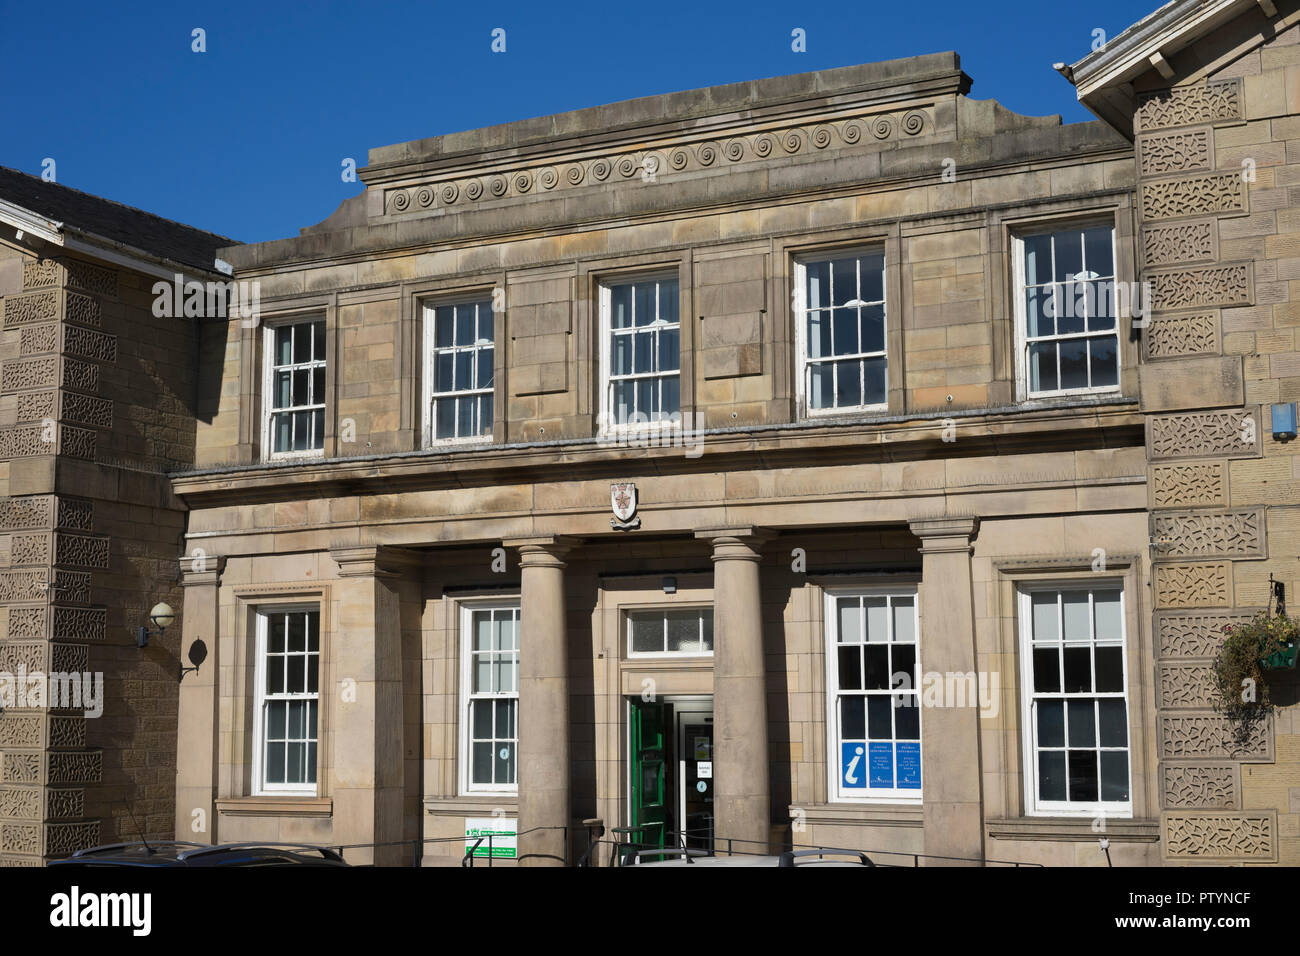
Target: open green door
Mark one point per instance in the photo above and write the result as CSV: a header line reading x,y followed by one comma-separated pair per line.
x,y
650,796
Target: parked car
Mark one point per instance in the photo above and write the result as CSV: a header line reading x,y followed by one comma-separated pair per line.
x,y
816,856
175,853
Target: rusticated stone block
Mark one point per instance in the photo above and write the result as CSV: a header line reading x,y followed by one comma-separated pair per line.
x,y
1228,434
1192,736
1201,287
1188,485
1200,785
1181,152
1181,243
1195,634
1189,105
1209,534
1180,334
32,308
1193,585
1246,835
1194,196
1185,686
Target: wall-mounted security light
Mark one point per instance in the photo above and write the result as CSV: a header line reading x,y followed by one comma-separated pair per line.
x,y
670,584
1283,418
162,616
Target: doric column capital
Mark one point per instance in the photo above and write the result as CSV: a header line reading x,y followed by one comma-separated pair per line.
x,y
542,551
741,543
375,560
946,534
198,570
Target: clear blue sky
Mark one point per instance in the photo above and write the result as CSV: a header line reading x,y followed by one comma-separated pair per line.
x,y
247,139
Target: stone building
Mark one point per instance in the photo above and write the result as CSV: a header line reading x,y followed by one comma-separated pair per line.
x,y
771,463
96,406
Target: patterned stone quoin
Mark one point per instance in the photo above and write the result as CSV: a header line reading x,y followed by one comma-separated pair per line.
x,y
1221,837
1238,534
1185,686
20,768
1193,736
1193,585
37,406
1201,287
1189,485
46,512
48,371
24,585
58,623
1189,106
81,766
1173,336
24,803
1208,785
1175,152
64,803
28,623
664,160
83,309
32,308
1232,434
20,803
45,656
42,729
70,340
90,278
1195,634
41,273
86,410
77,442
65,839
20,838
1184,242
29,441
1194,196
69,550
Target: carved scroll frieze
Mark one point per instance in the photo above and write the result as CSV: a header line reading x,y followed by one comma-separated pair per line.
x,y
662,160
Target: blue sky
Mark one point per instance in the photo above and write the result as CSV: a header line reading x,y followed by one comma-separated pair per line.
x,y
247,138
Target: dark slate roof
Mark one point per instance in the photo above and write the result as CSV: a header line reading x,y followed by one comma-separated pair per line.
x,y
106,219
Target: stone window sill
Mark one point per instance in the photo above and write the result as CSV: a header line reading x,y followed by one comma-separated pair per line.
x,y
480,805
1073,829
859,814
276,806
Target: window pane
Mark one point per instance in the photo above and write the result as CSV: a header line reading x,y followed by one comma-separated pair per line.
x,y
880,717
671,397
300,395
485,320
621,357
904,619
871,278
318,341
844,280
643,354
819,334
296,674
295,753
644,308
481,762
850,668
1051,775
1042,367
1098,251
821,385
464,377
276,625
1047,675
482,674
1074,614
1083,775
1051,723
1106,610
907,718
483,360
283,392
876,666
1100,305
669,294
445,416
318,428
902,659
708,630
1078,670
1082,723
275,675
275,719
275,763
1038,259
848,384
850,617
1069,255
844,323
297,631
301,431
505,719
669,350
877,611
1112,721
485,414
504,667
465,409
444,335
1102,362
818,285
647,634
318,385
481,719
872,319
853,718
1074,364
284,345
313,632
504,767
1110,668
311,763
620,306
1039,311
1072,308
873,371
1114,775
465,322
624,401
1043,608
683,631
302,342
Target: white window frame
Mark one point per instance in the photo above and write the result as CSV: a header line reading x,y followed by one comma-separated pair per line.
x,y
1021,321
607,425
464,645
428,311
262,621
630,614
830,642
803,360
1028,712
268,385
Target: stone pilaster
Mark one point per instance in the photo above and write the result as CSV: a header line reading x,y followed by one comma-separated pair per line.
x,y
545,795
951,792
742,795
197,722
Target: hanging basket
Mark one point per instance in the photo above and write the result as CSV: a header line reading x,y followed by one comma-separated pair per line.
x,y
1285,659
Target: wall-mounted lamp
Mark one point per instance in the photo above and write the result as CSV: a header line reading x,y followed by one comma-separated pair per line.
x,y
670,584
1283,421
162,617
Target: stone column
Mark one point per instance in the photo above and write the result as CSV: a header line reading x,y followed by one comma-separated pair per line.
x,y
545,798
951,785
198,746
364,711
742,798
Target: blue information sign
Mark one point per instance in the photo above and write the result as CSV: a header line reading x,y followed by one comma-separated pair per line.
x,y
909,765
882,765
853,771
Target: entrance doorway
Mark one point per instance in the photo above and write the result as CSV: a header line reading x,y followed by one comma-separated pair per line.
x,y
670,772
